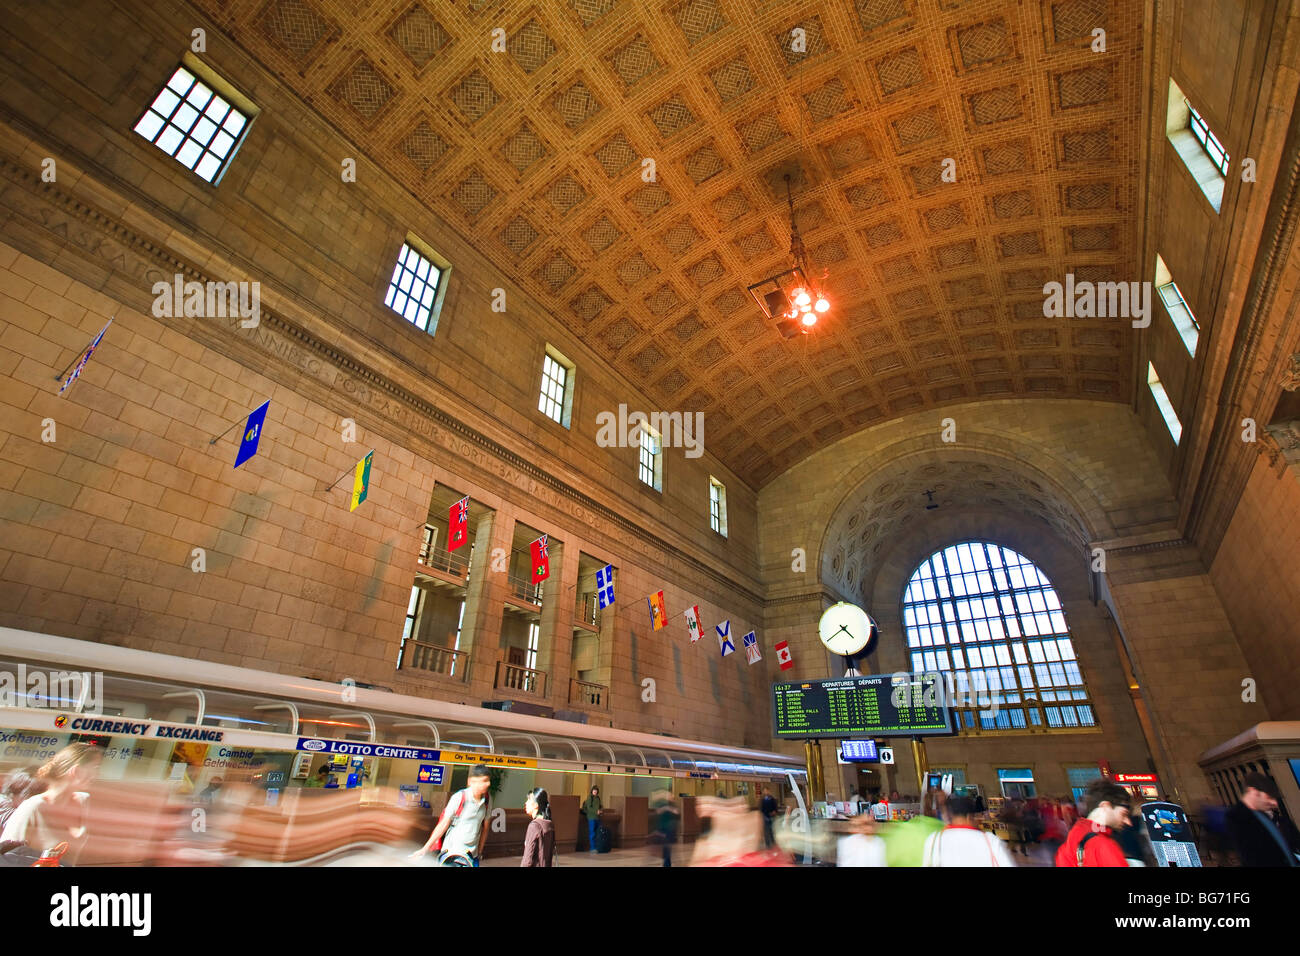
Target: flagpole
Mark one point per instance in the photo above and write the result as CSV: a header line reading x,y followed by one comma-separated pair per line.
x,y
77,357
345,473
213,441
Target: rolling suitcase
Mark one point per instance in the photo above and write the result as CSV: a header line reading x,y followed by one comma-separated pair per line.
x,y
604,839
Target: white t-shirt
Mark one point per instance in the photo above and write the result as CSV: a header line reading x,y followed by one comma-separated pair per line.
x,y
859,849
965,846
463,834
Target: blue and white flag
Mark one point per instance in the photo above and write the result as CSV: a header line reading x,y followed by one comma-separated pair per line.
x,y
76,373
605,586
751,648
252,433
724,638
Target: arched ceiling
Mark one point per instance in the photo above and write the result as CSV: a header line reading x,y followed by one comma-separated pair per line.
x,y
893,502
535,155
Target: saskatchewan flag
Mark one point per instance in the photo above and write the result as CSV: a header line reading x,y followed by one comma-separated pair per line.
x,y
361,481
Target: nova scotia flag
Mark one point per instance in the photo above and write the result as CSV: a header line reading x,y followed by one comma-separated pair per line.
x,y
724,638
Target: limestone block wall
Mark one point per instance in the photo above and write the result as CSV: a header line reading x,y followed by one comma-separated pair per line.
x,y
1188,657
1257,576
100,524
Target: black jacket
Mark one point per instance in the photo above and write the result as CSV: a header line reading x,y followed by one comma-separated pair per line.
x,y
1254,844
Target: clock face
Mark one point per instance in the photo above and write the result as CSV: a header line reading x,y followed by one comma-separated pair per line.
x,y
845,629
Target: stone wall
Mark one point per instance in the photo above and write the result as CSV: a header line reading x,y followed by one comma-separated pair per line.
x,y
1257,576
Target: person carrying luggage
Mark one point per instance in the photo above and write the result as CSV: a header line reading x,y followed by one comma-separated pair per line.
x,y
592,809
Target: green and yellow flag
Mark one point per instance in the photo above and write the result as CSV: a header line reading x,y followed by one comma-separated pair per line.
x,y
361,481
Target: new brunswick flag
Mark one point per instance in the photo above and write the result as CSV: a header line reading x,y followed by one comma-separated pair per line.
x,y
658,616
361,481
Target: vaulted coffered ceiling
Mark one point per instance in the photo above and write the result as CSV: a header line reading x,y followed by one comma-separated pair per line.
x,y
535,155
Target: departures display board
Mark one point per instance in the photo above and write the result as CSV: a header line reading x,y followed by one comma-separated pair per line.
x,y
877,705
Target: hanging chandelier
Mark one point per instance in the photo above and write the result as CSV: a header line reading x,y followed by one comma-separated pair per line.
x,y
792,298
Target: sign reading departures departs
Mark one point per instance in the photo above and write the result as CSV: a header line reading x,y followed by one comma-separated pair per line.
x,y
876,705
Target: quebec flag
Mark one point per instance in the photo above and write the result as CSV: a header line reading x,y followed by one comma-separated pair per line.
x,y
605,585
724,638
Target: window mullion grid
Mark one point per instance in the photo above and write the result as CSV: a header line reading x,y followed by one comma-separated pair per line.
x,y
1020,626
941,559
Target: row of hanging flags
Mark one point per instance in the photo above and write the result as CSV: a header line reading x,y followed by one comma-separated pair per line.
x,y
252,434
539,552
458,534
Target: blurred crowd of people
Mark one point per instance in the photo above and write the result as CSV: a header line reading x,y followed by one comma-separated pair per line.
x,y
49,813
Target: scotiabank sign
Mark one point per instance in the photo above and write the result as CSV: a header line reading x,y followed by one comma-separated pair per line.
x,y
1136,778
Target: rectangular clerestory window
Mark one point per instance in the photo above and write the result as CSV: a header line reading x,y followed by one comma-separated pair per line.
x,y
717,506
556,399
1179,311
1165,405
651,468
418,285
1197,146
196,124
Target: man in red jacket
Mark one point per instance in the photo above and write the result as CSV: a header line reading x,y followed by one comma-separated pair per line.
x,y
1089,843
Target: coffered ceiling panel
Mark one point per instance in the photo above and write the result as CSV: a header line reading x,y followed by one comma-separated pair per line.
x,y
953,156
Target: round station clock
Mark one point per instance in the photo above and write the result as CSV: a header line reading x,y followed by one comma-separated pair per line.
x,y
845,629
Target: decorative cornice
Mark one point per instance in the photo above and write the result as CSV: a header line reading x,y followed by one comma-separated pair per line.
x,y
391,403
1291,376
821,594
1149,547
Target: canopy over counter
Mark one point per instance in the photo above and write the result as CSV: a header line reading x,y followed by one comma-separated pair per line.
x,y
54,685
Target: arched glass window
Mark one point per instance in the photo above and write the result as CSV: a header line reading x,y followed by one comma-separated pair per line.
x,y
989,616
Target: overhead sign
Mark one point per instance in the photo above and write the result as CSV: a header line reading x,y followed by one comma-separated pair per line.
x,y
877,705
70,722
886,754
490,760
358,749
1136,778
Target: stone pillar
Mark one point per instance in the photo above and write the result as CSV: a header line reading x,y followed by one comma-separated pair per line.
x,y
1185,656
480,632
555,642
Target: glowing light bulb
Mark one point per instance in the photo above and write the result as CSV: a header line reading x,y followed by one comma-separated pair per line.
x,y
822,305
801,297
809,319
